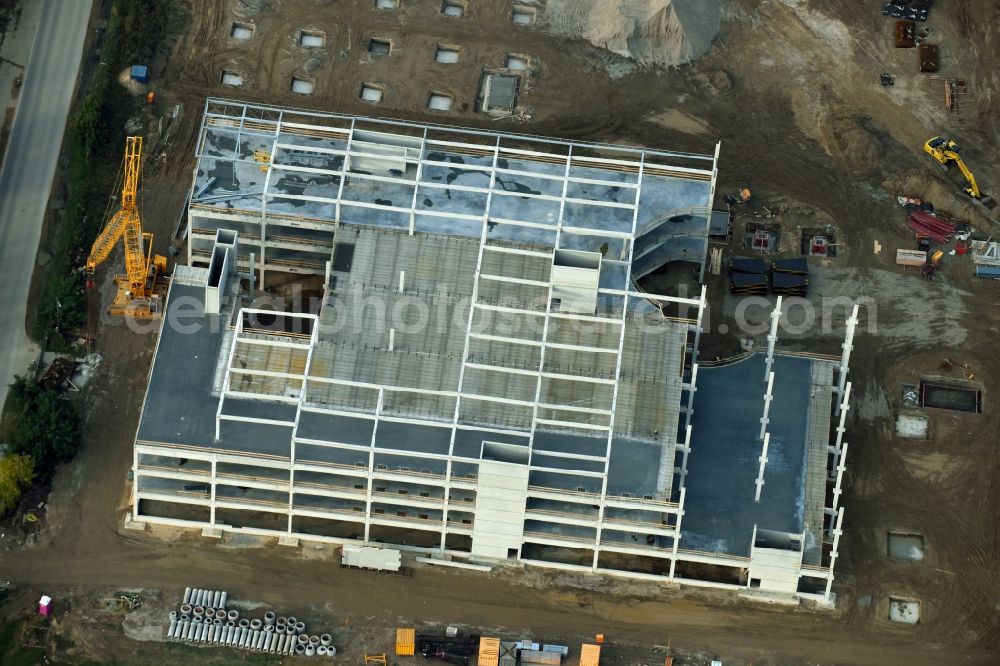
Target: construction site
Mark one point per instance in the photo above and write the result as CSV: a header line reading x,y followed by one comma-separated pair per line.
x,y
615,338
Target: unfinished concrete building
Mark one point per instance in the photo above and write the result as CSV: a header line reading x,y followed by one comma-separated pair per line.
x,y
483,379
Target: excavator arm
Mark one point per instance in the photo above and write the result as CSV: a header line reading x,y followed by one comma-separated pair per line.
x,y
973,188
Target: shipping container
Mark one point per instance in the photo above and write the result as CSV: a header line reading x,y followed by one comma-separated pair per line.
x,y
590,655
406,641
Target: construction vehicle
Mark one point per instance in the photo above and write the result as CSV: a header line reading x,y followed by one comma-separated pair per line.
x,y
945,152
742,196
137,294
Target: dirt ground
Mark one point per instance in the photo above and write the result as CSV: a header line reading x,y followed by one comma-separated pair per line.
x,y
791,90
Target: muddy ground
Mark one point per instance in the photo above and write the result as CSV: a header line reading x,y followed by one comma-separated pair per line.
x,y
791,89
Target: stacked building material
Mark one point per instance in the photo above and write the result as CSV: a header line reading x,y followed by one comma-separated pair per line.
x,y
747,276
790,277
925,224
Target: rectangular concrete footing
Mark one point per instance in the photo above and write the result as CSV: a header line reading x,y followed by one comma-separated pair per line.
x,y
131,524
213,532
288,541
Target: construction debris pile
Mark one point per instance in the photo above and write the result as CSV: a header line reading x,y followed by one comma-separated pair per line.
x,y
202,618
652,32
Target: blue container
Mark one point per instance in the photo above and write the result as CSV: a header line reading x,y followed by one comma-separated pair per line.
x,y
139,73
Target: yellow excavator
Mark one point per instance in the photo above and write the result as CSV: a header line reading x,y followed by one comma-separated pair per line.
x,y
945,152
137,295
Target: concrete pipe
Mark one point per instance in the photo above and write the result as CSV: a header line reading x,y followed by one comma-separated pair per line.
x,y
302,638
209,613
197,620
290,644
173,627
230,635
244,637
216,598
291,621
256,624
196,597
186,609
220,614
233,615
222,599
331,651
265,641
300,648
258,641
186,632
326,639
202,632
236,636
300,627
216,621
281,620
187,595
321,651
314,640
283,643
278,643
310,650
269,617
206,628
245,623
206,597
254,637
269,628
174,615
199,611
279,630
183,617
230,623
210,636
181,629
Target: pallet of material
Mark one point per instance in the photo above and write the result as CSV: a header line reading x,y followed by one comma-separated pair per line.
x,y
789,284
928,55
748,283
508,653
747,265
934,228
540,657
406,641
910,258
796,266
590,655
905,34
489,651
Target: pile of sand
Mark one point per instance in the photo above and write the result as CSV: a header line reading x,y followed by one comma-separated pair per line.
x,y
653,32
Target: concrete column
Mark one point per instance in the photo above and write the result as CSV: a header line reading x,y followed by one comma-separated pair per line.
x,y
767,406
211,510
772,338
677,537
833,552
845,357
763,462
843,407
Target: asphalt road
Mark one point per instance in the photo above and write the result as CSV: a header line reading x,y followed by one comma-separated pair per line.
x,y
28,168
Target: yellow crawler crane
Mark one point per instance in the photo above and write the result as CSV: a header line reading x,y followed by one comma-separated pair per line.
x,y
136,296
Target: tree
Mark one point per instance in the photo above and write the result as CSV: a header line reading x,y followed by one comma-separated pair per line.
x,y
41,425
16,474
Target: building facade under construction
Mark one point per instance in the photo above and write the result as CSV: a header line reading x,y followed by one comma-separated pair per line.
x,y
483,375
